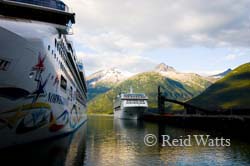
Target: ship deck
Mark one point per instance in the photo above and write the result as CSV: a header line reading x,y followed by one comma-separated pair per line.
x,y
34,12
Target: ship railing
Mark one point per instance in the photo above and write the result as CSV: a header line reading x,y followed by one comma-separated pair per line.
x,y
134,98
54,4
38,10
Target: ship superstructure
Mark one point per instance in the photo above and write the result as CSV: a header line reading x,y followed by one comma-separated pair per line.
x,y
130,105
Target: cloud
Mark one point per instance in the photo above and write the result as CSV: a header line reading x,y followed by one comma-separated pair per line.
x,y
124,62
231,57
130,28
180,22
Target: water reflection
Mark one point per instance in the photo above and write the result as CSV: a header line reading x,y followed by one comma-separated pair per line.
x,y
120,142
67,150
103,141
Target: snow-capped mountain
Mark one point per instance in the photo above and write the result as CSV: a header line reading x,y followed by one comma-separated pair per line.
x,y
190,79
103,81
220,75
162,67
111,76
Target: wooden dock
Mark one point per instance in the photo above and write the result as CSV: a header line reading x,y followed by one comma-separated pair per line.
x,y
200,118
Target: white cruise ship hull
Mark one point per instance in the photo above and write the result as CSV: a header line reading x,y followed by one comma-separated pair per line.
x,y
133,112
33,106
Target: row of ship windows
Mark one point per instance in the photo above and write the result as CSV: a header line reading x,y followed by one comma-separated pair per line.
x,y
77,94
62,67
62,51
60,46
135,102
134,96
63,81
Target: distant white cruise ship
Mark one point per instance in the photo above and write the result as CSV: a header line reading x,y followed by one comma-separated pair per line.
x,y
42,84
130,105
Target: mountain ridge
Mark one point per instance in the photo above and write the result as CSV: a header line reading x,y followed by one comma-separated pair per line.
x,y
230,92
222,74
191,79
147,83
178,85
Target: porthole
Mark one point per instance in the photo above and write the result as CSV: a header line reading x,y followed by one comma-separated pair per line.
x,y
31,74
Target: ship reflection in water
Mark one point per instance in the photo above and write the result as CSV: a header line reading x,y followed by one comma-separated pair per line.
x,y
66,150
104,141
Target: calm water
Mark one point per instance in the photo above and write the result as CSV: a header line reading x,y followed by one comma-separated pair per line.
x,y
104,141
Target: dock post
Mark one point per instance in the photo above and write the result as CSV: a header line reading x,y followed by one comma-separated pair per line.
x,y
160,101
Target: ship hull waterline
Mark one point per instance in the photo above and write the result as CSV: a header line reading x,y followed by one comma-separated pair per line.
x,y
133,113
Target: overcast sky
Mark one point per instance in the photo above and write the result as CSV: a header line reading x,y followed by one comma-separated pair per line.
x,y
134,35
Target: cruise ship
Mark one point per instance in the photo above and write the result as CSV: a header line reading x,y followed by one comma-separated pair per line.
x,y
130,105
42,84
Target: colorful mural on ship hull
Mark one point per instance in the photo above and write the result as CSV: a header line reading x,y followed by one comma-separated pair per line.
x,y
31,117
39,109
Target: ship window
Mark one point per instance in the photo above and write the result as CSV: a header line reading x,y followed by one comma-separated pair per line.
x,y
71,92
61,65
48,47
135,102
52,52
55,43
63,83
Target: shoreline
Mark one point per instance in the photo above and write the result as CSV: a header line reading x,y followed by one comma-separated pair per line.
x,y
100,115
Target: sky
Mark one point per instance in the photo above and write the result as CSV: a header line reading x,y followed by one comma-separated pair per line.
x,y
199,36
